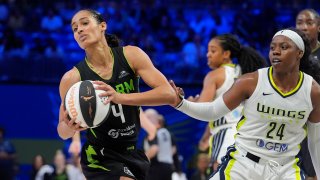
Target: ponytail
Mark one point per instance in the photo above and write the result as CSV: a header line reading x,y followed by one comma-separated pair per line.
x,y
112,40
250,60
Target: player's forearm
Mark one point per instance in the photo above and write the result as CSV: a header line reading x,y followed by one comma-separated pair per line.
x,y
76,136
64,131
157,96
204,111
152,152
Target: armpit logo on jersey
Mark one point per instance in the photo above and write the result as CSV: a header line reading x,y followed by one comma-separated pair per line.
x,y
272,146
127,171
123,74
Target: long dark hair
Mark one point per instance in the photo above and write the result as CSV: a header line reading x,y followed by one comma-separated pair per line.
x,y
112,40
248,58
308,64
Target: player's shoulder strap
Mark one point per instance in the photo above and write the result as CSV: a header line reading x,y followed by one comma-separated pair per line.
x,y
120,59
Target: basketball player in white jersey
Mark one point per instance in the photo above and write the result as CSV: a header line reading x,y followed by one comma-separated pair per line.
x,y
222,50
278,102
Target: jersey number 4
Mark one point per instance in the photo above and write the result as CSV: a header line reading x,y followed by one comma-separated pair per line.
x,y
276,130
118,113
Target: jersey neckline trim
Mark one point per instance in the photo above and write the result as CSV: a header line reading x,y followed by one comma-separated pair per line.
x,y
275,87
91,67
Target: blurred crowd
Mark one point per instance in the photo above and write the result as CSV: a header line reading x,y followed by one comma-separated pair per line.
x,y
36,36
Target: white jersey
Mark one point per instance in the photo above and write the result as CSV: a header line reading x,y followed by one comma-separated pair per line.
x,y
164,140
273,122
224,129
232,72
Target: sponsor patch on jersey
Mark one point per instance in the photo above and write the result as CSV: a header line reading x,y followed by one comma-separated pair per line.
x,y
127,171
127,131
123,74
113,133
272,146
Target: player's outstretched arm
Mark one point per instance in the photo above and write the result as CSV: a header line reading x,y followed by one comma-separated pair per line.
x,y
241,90
161,92
314,128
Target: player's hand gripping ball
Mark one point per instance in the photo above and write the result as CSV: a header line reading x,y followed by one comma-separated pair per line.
x,y
82,102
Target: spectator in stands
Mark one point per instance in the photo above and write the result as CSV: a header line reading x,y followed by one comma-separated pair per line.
x,y
192,53
59,170
52,50
8,158
14,46
202,165
37,163
16,20
4,12
51,21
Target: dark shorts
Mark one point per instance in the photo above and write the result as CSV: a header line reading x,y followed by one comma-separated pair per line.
x,y
160,171
307,165
101,163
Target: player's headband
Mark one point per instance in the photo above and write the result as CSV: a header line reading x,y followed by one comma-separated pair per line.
x,y
293,36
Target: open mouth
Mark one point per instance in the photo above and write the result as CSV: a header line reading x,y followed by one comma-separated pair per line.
x,y
275,61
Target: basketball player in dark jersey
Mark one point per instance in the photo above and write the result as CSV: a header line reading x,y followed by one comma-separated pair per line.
x,y
110,151
308,21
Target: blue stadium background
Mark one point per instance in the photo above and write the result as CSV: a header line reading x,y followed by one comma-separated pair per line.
x,y
37,47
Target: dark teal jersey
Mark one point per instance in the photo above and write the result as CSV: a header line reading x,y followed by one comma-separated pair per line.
x,y
120,129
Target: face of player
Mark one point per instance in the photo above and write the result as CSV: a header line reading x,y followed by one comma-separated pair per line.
x,y
216,56
86,30
307,23
284,55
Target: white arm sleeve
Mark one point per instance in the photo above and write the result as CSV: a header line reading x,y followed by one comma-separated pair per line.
x,y
314,145
206,111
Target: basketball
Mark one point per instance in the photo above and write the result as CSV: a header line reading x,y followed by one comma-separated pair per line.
x,y
82,102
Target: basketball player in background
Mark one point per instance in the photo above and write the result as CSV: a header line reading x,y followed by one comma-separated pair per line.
x,y
222,49
308,21
108,154
160,150
278,101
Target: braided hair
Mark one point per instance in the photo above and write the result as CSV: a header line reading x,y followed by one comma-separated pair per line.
x,y
248,58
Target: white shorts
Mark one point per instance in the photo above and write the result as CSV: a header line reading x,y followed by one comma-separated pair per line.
x,y
220,142
241,165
